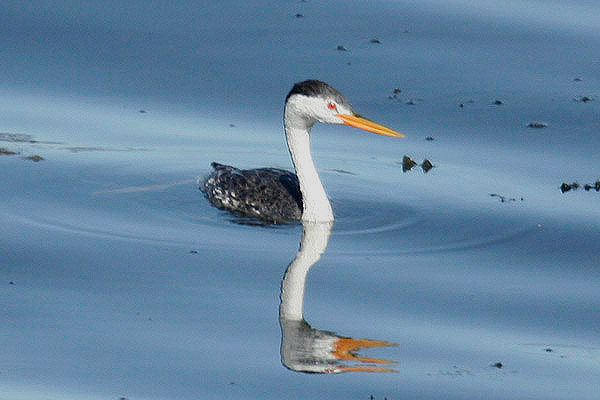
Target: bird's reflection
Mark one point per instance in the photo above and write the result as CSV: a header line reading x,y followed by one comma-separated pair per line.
x,y
304,348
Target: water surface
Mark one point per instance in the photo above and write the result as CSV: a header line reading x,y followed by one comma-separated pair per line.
x,y
117,278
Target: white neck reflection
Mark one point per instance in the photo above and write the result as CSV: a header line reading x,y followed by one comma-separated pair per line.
x,y
306,349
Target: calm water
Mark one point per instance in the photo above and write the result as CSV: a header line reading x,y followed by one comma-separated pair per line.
x,y
117,278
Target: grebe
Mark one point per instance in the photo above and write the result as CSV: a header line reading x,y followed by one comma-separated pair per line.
x,y
279,196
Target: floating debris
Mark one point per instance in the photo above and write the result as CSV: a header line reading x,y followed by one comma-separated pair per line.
x,y
407,163
7,152
504,199
461,105
299,15
583,99
341,48
426,165
193,251
537,125
430,138
21,138
34,158
16,137
577,80
142,111
342,171
548,350
411,102
375,41
565,187
497,365
232,125
395,93
595,186
498,102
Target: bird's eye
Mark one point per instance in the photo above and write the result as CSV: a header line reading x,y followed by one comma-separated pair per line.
x,y
331,106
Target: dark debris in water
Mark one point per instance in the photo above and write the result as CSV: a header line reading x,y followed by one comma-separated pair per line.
x,y
16,138
21,138
395,93
407,163
375,41
497,365
583,99
299,15
565,187
342,171
35,158
498,102
430,138
537,125
426,165
504,199
341,48
7,152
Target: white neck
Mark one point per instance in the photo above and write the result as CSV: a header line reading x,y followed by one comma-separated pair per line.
x,y
316,206
315,237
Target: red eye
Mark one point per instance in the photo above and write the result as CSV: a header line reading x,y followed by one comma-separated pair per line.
x,y
331,106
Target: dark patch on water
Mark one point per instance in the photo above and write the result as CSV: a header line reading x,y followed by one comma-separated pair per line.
x,y
21,138
504,199
34,158
565,187
537,125
426,165
583,99
6,152
407,163
342,171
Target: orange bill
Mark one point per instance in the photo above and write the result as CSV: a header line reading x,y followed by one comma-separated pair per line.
x,y
362,123
344,349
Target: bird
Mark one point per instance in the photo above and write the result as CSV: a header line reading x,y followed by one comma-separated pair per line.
x,y
279,196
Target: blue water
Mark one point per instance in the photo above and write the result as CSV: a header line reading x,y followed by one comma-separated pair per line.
x,y
118,279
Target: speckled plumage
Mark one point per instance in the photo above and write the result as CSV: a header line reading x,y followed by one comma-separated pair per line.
x,y
270,194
